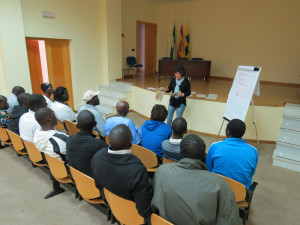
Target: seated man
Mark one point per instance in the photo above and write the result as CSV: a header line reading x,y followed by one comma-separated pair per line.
x,y
47,139
82,147
122,110
92,100
122,173
187,193
171,147
17,112
12,98
47,89
233,157
28,124
155,131
4,116
60,106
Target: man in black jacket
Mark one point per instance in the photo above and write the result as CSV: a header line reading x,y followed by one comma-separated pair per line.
x,y
82,147
122,173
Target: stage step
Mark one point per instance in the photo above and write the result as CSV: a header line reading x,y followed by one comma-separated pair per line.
x,y
287,151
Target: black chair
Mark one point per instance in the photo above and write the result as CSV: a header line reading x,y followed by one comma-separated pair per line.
x,y
131,61
167,58
182,58
197,58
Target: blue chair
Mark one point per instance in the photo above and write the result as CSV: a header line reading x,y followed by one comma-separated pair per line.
x,y
131,61
197,58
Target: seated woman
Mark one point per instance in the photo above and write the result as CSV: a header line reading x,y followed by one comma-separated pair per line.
x,y
155,131
60,106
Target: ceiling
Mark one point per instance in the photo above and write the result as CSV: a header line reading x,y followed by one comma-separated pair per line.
x,y
170,1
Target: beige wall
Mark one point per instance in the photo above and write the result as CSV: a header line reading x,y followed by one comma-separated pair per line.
x,y
233,32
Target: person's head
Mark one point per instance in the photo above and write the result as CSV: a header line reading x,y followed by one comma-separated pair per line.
x,y
46,118
47,89
179,127
3,103
159,113
61,94
193,147
22,99
235,128
86,121
18,90
120,137
91,97
179,72
36,101
122,108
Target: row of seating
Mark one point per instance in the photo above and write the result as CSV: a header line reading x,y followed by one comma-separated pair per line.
x,y
123,210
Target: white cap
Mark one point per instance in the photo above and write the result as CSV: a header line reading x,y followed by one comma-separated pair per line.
x,y
89,94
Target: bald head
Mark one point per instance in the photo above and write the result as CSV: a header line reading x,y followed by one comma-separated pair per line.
x,y
120,138
46,118
86,121
18,90
122,108
3,102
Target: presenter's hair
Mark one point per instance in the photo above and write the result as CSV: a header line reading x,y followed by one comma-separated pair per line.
x,y
236,128
193,147
159,113
180,69
58,94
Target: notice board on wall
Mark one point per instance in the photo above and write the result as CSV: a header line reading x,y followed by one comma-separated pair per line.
x,y
245,84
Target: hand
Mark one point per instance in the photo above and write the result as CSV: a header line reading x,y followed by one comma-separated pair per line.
x,y
165,89
181,95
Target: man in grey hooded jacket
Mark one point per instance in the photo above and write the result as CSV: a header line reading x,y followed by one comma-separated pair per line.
x,y
187,193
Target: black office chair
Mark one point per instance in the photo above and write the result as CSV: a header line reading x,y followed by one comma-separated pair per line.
x,y
182,58
166,58
197,58
131,61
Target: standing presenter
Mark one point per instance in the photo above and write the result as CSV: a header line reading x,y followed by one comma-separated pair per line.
x,y
179,88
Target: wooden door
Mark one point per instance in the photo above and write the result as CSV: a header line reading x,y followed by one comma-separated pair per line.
x,y
59,65
150,48
35,66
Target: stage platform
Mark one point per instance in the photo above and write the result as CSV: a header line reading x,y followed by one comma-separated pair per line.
x,y
205,116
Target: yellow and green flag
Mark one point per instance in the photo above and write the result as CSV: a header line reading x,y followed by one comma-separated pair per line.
x,y
187,42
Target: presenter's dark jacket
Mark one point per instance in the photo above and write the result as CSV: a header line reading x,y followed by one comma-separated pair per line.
x,y
185,88
125,176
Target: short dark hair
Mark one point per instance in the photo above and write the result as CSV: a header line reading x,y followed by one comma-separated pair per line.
x,y
86,120
58,94
41,115
180,69
237,128
22,98
18,90
159,113
34,101
120,137
179,126
192,146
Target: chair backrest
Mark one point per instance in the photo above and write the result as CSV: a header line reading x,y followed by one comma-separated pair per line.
x,y
166,160
85,184
71,127
239,190
147,157
16,141
124,210
97,135
60,126
131,61
106,139
157,220
3,135
34,154
57,167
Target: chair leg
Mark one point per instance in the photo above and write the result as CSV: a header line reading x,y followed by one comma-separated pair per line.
x,y
56,188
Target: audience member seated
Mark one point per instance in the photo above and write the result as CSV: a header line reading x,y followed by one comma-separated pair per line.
x,y
60,106
122,110
233,157
187,193
28,124
17,112
122,173
12,98
155,131
47,139
171,147
47,89
82,147
4,116
91,100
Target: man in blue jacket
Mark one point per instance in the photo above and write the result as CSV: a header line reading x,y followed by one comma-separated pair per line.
x,y
233,157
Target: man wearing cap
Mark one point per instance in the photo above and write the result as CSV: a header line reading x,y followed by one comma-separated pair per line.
x,y
47,89
92,100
